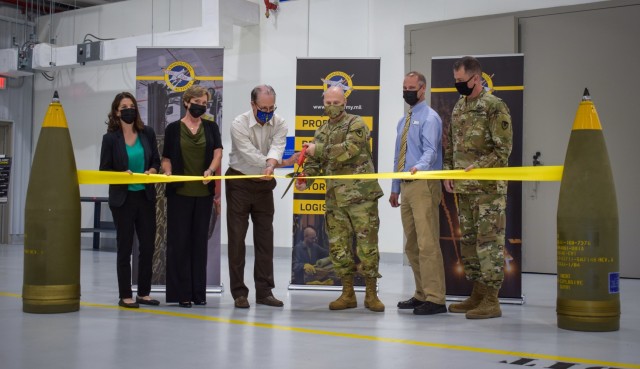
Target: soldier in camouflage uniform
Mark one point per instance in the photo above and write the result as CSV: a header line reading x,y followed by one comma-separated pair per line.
x,y
341,146
480,136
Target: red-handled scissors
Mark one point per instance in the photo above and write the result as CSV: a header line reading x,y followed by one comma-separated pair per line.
x,y
297,172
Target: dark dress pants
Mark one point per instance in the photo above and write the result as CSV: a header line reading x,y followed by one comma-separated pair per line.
x,y
187,236
139,214
250,198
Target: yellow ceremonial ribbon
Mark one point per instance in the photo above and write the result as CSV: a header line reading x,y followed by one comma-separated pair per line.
x,y
539,173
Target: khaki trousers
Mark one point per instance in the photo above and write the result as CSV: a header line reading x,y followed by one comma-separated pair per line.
x,y
420,200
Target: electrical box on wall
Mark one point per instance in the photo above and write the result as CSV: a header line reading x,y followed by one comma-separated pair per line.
x,y
15,63
25,60
89,51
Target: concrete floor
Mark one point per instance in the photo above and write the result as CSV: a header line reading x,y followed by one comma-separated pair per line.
x,y
303,334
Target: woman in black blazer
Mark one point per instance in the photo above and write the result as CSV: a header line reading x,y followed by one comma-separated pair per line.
x,y
130,146
192,146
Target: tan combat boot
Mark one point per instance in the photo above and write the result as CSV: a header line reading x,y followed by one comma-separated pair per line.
x,y
348,298
489,306
472,301
371,300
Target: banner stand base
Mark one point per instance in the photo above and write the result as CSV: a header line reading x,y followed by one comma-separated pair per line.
x,y
503,300
161,288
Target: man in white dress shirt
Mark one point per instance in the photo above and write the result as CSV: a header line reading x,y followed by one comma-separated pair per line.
x,y
258,139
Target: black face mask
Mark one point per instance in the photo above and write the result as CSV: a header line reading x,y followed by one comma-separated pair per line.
x,y
410,97
128,115
196,110
463,89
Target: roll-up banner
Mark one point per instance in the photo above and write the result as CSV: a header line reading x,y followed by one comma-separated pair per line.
x,y
502,76
360,78
162,76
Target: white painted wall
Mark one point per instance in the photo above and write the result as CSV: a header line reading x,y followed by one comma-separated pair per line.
x,y
86,92
263,54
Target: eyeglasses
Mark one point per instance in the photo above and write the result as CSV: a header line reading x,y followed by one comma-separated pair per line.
x,y
266,109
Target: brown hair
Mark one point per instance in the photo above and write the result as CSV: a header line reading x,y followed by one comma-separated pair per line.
x,y
113,122
470,64
194,91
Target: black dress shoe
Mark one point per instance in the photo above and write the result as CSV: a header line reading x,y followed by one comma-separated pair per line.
x,y
412,303
129,305
185,304
430,308
200,302
270,301
142,301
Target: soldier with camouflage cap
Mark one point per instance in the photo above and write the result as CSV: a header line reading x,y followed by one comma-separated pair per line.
x,y
341,146
479,136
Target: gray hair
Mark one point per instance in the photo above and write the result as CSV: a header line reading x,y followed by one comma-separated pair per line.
x,y
422,81
262,89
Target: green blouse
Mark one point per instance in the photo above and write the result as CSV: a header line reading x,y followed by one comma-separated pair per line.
x,y
192,147
136,162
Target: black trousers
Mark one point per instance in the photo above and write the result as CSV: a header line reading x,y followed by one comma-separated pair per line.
x,y
139,214
187,235
250,198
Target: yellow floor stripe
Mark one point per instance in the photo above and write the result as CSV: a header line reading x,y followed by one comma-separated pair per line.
x,y
359,336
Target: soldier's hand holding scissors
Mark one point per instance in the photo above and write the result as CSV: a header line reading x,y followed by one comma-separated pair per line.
x,y
310,148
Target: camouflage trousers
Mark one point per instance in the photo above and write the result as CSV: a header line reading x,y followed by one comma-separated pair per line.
x,y
344,224
482,224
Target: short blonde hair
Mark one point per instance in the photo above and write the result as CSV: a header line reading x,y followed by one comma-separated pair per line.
x,y
194,91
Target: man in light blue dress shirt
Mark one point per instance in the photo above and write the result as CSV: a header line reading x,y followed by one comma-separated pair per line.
x,y
419,148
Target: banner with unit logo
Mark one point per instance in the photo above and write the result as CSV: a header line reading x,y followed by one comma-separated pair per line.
x,y
502,76
360,78
162,76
